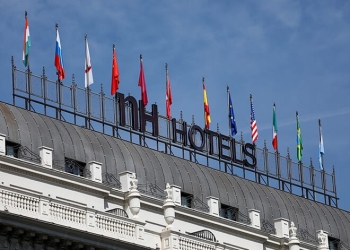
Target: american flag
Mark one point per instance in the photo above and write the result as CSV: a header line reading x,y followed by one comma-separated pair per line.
x,y
253,125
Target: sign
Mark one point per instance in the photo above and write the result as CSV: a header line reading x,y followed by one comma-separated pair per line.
x,y
226,145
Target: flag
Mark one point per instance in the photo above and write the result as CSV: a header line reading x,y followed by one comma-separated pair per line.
x,y
253,125
115,73
142,84
168,94
88,68
58,57
320,146
231,115
26,42
299,140
206,108
274,129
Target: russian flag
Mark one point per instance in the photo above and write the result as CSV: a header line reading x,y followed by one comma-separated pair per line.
x,y
58,58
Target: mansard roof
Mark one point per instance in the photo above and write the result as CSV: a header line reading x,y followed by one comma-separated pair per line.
x,y
34,130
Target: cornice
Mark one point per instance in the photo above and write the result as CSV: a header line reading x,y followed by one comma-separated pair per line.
x,y
53,176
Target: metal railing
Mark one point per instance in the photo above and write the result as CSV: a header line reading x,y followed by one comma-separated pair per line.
x,y
204,234
268,227
304,235
119,212
69,102
151,189
72,167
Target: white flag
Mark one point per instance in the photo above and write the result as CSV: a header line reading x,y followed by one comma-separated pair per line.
x,y
88,68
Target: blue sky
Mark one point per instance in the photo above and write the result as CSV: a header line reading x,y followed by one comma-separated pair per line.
x,y
293,53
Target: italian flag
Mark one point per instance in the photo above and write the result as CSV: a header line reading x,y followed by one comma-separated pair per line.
x,y
274,129
26,42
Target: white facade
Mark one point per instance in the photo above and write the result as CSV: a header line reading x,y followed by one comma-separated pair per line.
x,y
74,204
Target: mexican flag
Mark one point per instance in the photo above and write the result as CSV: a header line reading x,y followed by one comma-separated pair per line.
x,y
274,129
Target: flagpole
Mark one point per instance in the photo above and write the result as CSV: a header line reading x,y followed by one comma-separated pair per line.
x,y
167,101
26,18
320,134
88,84
275,119
28,67
205,117
251,100
58,76
141,87
228,105
59,84
166,90
115,95
298,141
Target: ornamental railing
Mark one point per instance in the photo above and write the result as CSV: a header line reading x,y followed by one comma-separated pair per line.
x,y
205,235
111,180
72,167
151,189
268,227
304,235
69,102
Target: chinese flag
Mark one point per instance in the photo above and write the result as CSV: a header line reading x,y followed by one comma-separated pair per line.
x,y
115,73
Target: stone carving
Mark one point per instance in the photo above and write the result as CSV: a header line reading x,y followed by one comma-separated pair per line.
x,y
134,197
322,239
169,207
168,192
292,231
133,182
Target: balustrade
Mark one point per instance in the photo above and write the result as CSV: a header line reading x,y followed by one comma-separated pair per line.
x,y
67,214
190,244
113,225
61,212
19,201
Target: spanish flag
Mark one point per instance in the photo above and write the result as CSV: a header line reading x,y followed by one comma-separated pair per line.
x,y
207,119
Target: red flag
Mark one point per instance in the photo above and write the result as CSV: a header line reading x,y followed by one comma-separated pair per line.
x,y
115,73
142,84
168,95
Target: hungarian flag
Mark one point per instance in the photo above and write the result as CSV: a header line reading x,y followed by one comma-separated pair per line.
x,y
115,73
142,84
58,57
88,68
274,129
168,95
26,42
206,107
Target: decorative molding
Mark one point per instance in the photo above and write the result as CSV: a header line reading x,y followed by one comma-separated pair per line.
x,y
50,179
71,201
26,189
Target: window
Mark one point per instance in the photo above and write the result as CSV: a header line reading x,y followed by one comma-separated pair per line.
x,y
12,149
74,167
333,243
186,199
229,212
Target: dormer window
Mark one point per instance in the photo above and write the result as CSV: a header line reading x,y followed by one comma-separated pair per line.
x,y
12,149
229,212
333,243
186,199
74,167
